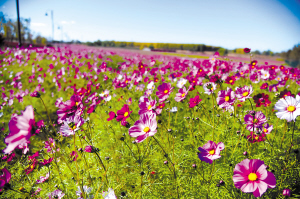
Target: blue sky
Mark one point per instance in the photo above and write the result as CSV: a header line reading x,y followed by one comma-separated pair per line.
x,y
256,24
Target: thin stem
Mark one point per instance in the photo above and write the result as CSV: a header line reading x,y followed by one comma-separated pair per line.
x,y
48,115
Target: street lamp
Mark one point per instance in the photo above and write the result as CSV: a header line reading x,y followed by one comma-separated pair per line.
x,y
19,29
52,23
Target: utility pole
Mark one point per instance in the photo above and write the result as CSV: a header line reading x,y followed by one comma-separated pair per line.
x,y
19,29
52,25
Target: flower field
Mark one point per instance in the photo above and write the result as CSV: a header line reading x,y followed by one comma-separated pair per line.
x,y
83,122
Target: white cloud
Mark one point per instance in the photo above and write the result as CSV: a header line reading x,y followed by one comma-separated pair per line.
x,y
37,24
67,22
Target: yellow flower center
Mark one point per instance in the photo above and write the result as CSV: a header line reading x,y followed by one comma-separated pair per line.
x,y
213,59
227,98
211,152
126,81
252,177
31,166
166,91
125,114
76,103
266,75
149,107
255,121
51,144
21,188
230,81
242,73
291,108
183,94
147,129
256,137
245,94
265,130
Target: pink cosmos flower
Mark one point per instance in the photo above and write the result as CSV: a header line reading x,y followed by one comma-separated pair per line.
x,y
267,128
4,178
74,155
43,179
9,157
88,149
21,129
69,108
286,192
112,115
124,113
57,194
194,101
164,90
251,176
181,95
243,93
46,162
71,125
144,127
147,106
210,151
50,145
256,137
226,98
256,121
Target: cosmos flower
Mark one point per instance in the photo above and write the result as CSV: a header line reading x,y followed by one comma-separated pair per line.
x,y
181,82
210,151
43,179
147,106
247,50
110,194
253,137
251,176
230,80
4,178
71,125
57,194
181,95
261,99
164,91
226,98
124,113
265,74
69,108
286,192
112,115
194,101
21,128
87,190
264,86
243,93
50,145
267,128
144,127
254,120
288,108
209,87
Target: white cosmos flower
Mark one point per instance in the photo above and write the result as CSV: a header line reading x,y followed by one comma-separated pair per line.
x,y
181,82
288,108
110,194
151,85
173,109
265,74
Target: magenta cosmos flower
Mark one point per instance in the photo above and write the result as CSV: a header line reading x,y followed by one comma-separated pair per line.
x,y
254,120
181,95
144,127
124,113
194,101
69,108
164,91
20,130
251,176
226,98
147,106
4,178
210,151
243,93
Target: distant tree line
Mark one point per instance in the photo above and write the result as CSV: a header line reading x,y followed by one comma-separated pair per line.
x,y
9,31
292,56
